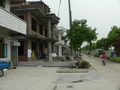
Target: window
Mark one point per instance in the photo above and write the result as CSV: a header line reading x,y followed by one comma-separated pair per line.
x,y
2,3
46,46
3,49
34,46
34,23
21,48
45,32
41,29
1,40
41,48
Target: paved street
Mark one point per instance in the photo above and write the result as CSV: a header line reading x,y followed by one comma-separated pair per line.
x,y
46,78
28,78
111,71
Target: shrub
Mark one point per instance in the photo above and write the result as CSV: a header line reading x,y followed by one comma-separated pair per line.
x,y
85,64
77,63
82,64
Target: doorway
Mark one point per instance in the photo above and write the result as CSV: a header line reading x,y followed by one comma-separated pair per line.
x,y
14,55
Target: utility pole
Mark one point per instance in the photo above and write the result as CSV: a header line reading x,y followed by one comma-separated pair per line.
x,y
70,15
70,22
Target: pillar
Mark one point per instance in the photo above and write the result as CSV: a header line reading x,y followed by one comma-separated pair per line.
x,y
7,5
60,50
29,23
28,32
29,47
49,42
53,37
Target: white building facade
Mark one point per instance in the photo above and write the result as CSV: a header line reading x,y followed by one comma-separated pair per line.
x,y
10,24
61,43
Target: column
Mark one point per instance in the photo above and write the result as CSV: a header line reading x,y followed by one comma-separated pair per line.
x,y
49,42
53,31
53,37
59,36
28,32
49,28
7,5
60,50
29,23
29,48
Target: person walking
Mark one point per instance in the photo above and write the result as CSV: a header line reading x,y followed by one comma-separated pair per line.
x,y
104,56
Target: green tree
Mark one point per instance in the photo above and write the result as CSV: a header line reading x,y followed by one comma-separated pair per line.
x,y
113,39
102,44
89,47
80,32
112,35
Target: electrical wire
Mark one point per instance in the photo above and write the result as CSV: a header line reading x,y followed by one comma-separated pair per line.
x,y
59,8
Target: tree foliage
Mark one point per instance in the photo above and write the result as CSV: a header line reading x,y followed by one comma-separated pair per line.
x,y
113,34
102,44
113,39
89,47
80,32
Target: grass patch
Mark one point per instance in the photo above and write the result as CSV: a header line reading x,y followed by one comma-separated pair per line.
x,y
115,59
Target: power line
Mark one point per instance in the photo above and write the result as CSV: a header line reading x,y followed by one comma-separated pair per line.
x,y
59,8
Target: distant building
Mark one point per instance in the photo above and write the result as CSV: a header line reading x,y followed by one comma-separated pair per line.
x,y
61,44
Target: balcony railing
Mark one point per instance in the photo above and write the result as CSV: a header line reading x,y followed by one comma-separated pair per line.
x,y
12,22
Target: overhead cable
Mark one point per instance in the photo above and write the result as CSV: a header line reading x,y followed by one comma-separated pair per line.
x,y
59,8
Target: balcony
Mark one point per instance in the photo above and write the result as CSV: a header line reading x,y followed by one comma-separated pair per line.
x,y
38,12
11,22
61,42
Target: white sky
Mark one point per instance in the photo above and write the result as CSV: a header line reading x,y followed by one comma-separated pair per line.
x,y
102,14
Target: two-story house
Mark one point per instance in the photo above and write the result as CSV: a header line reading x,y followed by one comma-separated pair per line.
x,y
10,24
60,43
39,41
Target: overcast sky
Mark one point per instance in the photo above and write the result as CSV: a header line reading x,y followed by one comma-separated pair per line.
x,y
100,14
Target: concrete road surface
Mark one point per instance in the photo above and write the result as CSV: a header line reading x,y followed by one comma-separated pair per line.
x,y
46,78
111,71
